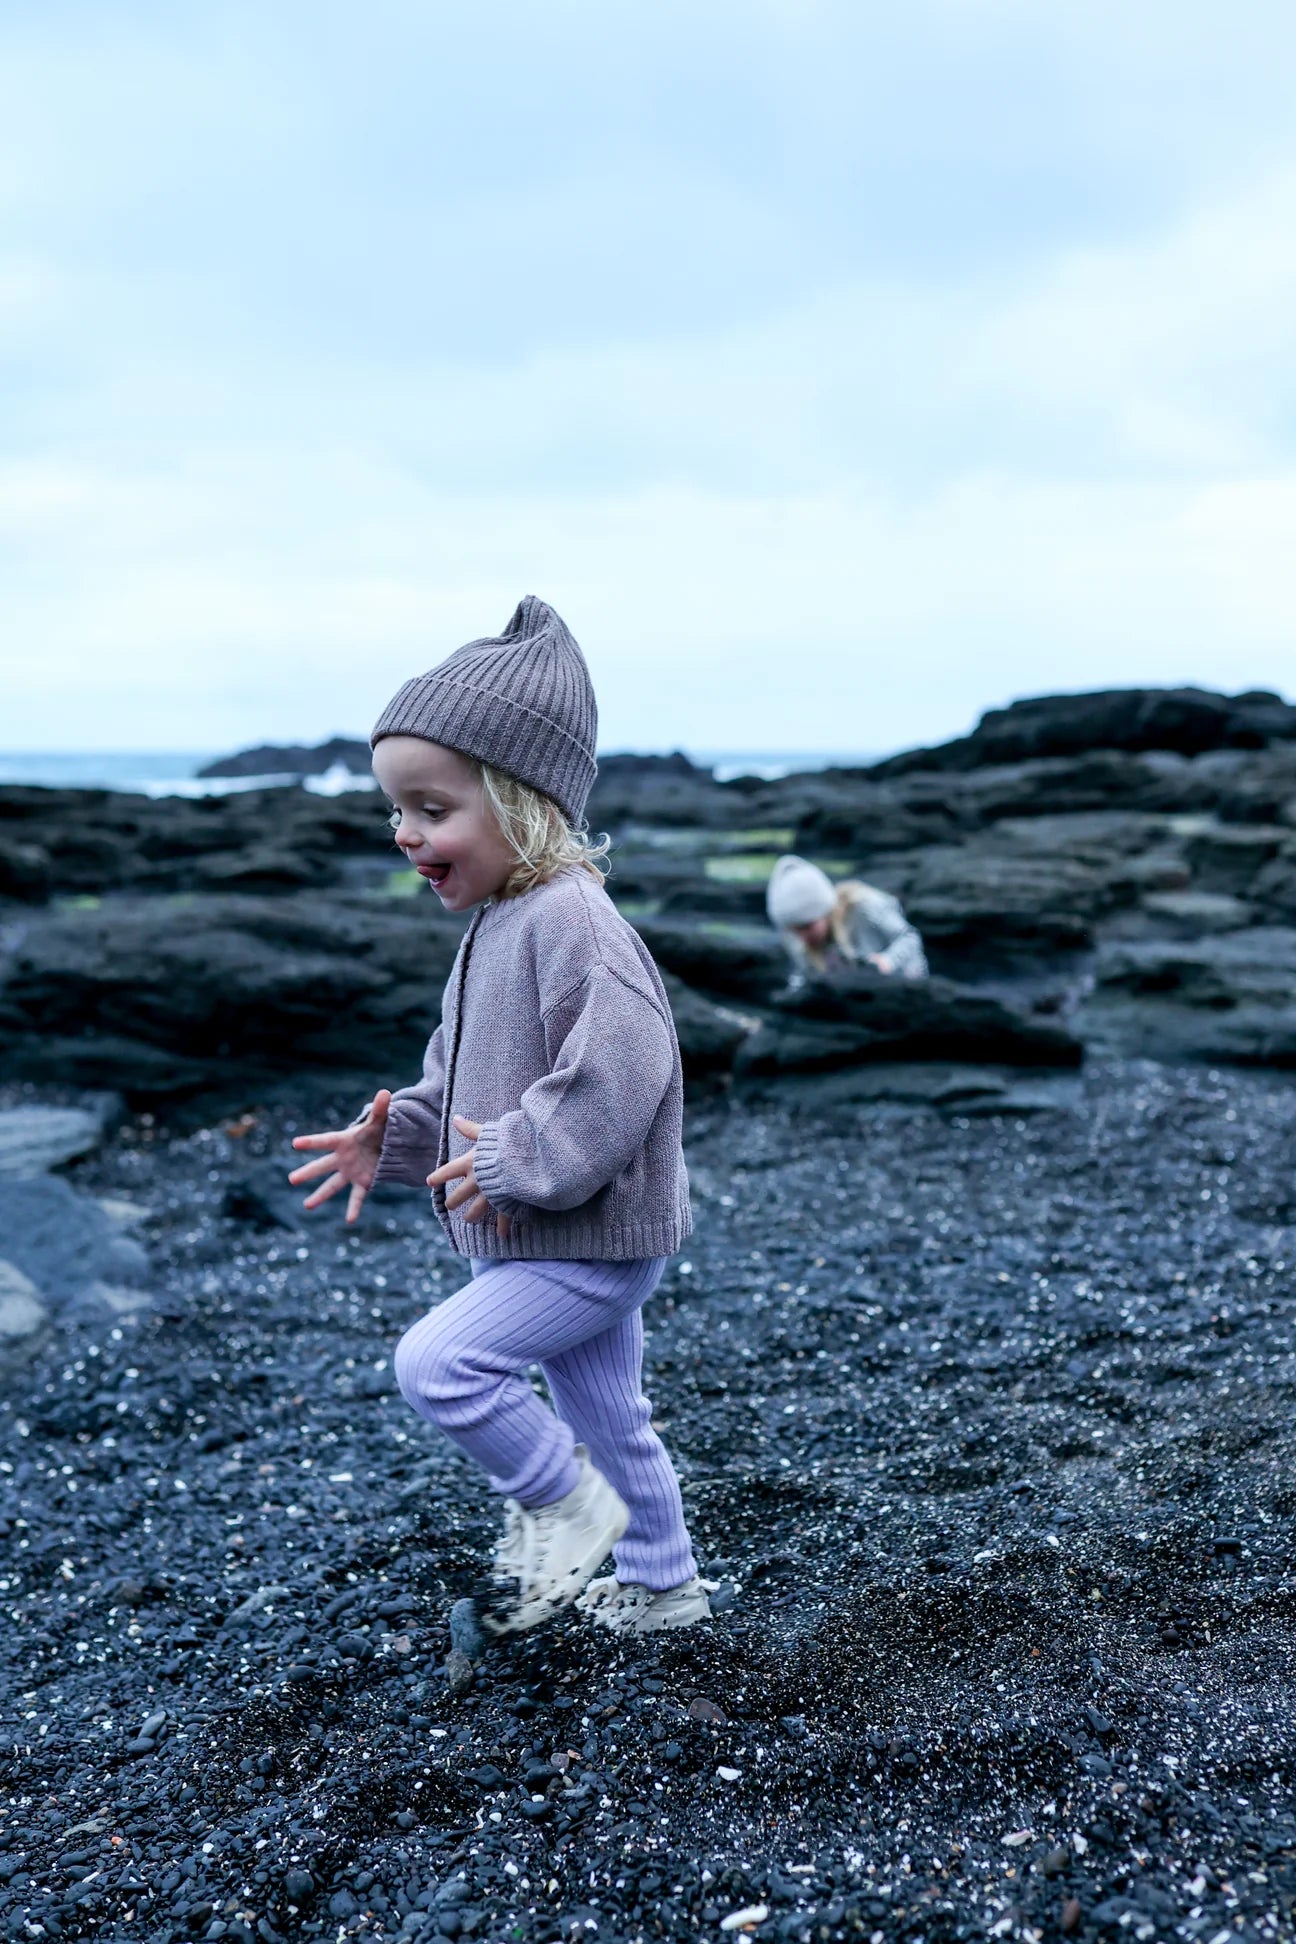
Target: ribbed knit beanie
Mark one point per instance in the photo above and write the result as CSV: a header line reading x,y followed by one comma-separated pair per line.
x,y
521,701
798,893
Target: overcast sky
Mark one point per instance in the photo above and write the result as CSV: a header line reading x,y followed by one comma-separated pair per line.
x,y
837,370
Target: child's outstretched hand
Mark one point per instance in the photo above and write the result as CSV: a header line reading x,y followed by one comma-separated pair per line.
x,y
467,1195
351,1159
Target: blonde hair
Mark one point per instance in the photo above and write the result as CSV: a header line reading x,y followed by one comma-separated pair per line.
x,y
838,926
539,833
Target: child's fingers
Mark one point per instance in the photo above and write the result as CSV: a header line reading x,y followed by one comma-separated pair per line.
x,y
477,1210
355,1201
325,1191
462,1166
469,1128
312,1168
463,1193
318,1140
503,1223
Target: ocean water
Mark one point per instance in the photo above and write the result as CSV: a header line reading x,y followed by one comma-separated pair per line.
x,y
158,773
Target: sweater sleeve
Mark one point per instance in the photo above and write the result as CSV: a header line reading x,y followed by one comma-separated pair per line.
x,y
579,1126
907,955
412,1139
903,945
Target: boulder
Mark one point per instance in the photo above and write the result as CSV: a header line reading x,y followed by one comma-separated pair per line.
x,y
1225,999
709,1035
1228,858
998,903
862,1017
24,871
65,1243
22,1313
866,816
1194,914
1185,721
743,962
35,1138
668,791
161,998
295,759
94,841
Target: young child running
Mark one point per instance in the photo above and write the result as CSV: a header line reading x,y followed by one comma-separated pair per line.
x,y
548,1126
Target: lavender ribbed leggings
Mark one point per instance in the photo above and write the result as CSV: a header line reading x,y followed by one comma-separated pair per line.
x,y
462,1367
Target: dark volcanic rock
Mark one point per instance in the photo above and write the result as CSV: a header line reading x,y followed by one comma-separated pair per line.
x,y
1186,721
666,790
737,962
294,759
871,816
1230,997
24,871
863,1016
65,1242
709,1035
974,899
1235,859
266,840
161,999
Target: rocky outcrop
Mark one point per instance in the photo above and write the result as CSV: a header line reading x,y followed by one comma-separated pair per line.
x,y
1187,721
746,963
89,842
865,1018
1228,998
1066,839
159,999
709,1034
294,759
37,1137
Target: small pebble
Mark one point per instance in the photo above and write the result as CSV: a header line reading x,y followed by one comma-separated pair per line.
x,y
466,1635
460,1673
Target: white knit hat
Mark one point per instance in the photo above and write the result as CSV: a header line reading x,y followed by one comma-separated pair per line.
x,y
798,893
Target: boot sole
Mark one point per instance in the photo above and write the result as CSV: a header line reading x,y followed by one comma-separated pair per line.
x,y
666,1623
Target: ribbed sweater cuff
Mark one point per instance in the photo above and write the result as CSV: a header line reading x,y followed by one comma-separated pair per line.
x,y
403,1159
488,1167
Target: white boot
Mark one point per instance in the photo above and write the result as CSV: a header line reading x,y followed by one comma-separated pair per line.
x,y
548,1553
638,1610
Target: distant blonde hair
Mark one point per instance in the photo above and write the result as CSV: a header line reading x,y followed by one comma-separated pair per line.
x,y
538,832
848,894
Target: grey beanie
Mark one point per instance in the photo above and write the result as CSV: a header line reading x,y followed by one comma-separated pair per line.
x,y
521,701
798,893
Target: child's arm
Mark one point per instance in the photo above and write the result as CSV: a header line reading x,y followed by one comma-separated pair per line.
x,y
583,1123
903,951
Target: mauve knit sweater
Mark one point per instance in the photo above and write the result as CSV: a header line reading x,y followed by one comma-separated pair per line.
x,y
556,1035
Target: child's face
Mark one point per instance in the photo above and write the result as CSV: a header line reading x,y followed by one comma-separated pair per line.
x,y
816,933
442,821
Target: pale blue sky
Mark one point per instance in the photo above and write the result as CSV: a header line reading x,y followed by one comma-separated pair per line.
x,y
837,369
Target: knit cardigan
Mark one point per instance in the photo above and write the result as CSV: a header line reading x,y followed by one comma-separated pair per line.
x,y
556,1036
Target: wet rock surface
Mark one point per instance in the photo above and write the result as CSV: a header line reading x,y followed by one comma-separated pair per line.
x,y
986,1424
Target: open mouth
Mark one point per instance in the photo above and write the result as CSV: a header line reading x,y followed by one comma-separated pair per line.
x,y
436,874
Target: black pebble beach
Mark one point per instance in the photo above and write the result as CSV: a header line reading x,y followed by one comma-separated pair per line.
x,y
985,1427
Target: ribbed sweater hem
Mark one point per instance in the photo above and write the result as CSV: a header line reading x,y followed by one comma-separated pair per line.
x,y
535,1238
